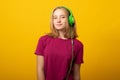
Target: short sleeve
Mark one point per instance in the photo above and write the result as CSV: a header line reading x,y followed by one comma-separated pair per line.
x,y
79,54
40,46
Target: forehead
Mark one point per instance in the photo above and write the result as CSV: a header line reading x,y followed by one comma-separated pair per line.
x,y
60,11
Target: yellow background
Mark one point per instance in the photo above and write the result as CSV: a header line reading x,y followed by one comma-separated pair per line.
x,y
22,22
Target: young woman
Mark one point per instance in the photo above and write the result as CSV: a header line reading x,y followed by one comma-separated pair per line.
x,y
59,53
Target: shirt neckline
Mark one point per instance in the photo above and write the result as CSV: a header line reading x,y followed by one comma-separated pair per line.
x,y
63,39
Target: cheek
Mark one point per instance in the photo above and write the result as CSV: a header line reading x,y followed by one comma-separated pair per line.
x,y
65,21
54,21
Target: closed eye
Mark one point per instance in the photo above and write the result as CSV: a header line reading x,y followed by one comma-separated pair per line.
x,y
54,17
62,16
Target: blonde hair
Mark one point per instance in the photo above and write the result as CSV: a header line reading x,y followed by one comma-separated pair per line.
x,y
70,31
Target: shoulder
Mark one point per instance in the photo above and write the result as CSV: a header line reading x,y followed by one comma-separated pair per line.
x,y
44,37
78,42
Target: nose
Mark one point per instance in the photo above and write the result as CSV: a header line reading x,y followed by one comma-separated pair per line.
x,y
58,20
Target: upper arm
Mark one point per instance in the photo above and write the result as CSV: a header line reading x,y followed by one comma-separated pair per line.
x,y
76,68
40,68
76,71
40,62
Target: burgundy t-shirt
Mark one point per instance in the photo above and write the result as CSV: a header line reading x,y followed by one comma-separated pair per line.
x,y
57,54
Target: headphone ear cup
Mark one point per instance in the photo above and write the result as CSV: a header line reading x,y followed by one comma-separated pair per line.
x,y
71,20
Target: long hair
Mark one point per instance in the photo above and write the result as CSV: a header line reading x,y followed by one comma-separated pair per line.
x,y
68,29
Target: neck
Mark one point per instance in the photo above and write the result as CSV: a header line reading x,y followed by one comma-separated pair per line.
x,y
61,34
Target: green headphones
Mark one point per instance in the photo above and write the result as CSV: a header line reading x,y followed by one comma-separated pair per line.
x,y
71,20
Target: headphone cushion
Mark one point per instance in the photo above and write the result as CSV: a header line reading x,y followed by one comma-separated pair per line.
x,y
71,20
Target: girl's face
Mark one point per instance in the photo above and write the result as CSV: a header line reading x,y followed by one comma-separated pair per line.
x,y
60,19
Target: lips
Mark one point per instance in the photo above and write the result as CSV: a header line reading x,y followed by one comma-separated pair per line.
x,y
58,24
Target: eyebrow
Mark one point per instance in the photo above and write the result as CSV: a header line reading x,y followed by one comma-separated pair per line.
x,y
60,15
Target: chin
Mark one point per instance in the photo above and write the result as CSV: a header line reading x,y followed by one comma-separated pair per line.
x,y
59,29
